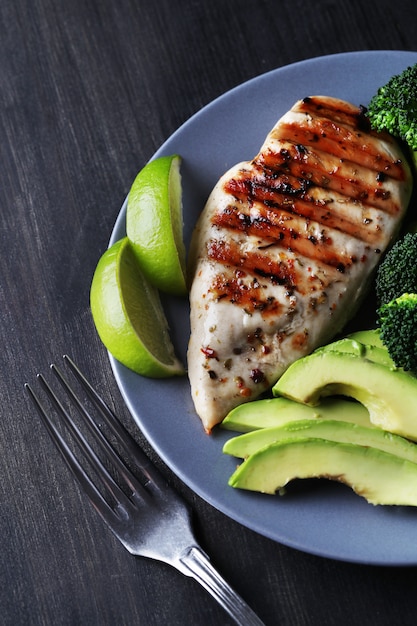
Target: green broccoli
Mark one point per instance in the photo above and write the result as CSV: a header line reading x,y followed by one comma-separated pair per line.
x,y
398,324
397,272
394,107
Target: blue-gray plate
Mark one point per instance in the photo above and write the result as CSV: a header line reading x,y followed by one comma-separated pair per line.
x,y
322,518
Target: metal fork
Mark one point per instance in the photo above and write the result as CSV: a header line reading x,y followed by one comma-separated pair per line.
x,y
145,514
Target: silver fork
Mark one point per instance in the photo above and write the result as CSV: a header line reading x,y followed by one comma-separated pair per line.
x,y
145,514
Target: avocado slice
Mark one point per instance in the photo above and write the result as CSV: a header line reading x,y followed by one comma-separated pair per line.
x,y
390,395
377,476
371,337
345,432
379,354
272,412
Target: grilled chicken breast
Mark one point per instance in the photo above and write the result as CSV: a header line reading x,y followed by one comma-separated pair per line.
x,y
285,248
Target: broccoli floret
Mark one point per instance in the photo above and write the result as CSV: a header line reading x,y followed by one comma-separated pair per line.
x,y
398,323
394,107
397,272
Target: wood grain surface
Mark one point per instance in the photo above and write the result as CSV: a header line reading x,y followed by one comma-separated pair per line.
x,y
89,90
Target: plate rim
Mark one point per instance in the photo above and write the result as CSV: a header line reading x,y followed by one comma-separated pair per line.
x,y
118,370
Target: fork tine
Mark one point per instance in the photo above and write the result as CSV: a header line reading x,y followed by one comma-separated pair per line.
x,y
130,479
98,501
90,454
118,430
160,530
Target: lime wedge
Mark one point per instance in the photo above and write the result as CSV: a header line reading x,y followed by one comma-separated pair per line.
x,y
129,317
154,224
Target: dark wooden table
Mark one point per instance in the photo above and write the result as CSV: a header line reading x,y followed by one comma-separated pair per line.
x,y
89,90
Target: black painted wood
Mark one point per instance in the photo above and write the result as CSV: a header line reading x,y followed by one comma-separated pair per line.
x,y
89,90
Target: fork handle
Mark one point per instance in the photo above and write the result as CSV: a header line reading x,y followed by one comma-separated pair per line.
x,y
197,564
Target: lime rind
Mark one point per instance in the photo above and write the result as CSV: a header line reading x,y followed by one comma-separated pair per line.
x,y
175,201
154,224
144,309
129,317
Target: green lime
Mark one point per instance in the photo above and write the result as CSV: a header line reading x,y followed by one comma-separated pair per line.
x,y
154,224
128,315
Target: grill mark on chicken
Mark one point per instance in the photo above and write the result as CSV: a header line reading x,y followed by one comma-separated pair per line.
x,y
340,111
284,250
350,179
278,189
249,294
286,194
342,142
248,276
286,230
231,253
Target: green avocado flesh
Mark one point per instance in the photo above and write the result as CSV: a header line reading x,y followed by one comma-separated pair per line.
x,y
279,411
344,432
389,394
313,429
370,337
377,354
377,476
